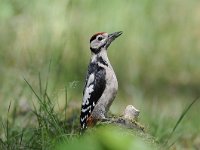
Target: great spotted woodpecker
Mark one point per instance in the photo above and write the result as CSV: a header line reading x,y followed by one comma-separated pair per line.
x,y
101,83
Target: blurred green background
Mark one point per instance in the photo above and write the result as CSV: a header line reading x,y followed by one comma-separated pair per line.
x,y
156,60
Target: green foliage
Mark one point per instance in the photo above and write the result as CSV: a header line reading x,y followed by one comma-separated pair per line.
x,y
48,130
180,119
109,138
156,61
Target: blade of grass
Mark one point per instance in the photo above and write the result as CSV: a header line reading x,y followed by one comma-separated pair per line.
x,y
180,119
2,143
45,91
7,123
40,83
33,90
172,143
21,138
66,102
40,100
48,98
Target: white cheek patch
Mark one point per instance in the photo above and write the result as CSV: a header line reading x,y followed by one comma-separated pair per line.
x,y
96,44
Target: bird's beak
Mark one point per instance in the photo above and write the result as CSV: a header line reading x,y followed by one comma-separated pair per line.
x,y
112,37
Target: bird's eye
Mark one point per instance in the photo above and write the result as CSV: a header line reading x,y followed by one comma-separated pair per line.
x,y
100,38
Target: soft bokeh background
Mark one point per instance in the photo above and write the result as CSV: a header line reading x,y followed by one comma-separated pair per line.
x,y
157,59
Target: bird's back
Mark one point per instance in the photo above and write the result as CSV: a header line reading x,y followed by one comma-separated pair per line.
x,y
94,87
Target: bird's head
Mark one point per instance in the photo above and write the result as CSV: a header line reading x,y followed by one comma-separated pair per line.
x,y
102,40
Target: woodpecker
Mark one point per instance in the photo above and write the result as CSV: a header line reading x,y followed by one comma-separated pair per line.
x,y
101,83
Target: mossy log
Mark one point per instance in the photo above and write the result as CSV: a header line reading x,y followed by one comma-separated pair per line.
x,y
129,119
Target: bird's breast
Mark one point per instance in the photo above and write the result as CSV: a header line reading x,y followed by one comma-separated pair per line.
x,y
112,83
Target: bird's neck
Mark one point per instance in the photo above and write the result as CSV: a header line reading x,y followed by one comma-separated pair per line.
x,y
102,55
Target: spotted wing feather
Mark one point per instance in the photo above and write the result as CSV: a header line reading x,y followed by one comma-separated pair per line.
x,y
94,87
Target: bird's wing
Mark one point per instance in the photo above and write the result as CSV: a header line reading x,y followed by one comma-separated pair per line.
x,y
94,87
91,69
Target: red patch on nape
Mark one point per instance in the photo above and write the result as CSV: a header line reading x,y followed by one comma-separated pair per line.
x,y
95,35
91,121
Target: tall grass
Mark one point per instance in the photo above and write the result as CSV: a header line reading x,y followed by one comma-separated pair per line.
x,y
49,129
179,121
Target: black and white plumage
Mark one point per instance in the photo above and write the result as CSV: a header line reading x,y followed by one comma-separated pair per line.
x,y
101,83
